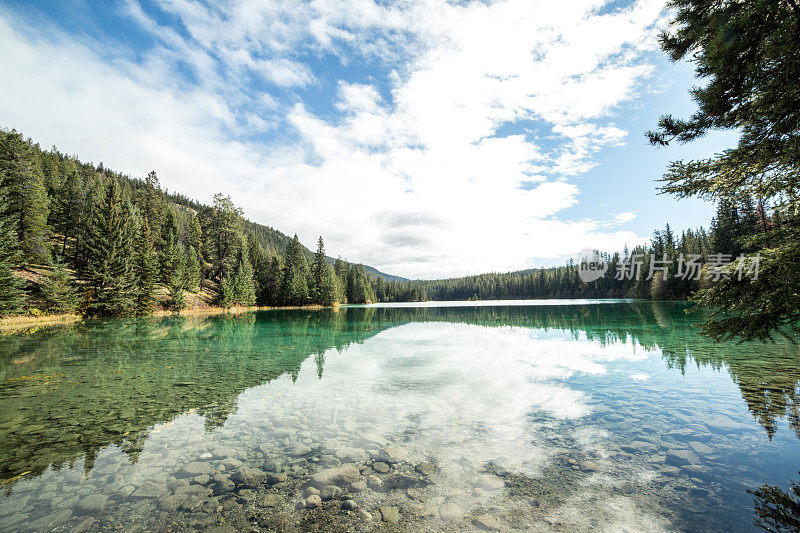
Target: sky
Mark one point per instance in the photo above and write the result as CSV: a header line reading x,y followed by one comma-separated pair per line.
x,y
425,138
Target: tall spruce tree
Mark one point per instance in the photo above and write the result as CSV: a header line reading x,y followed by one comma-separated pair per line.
x,y
59,294
154,208
223,234
11,295
328,290
748,54
244,283
67,206
109,246
227,291
22,177
145,266
294,288
271,286
193,272
318,272
176,283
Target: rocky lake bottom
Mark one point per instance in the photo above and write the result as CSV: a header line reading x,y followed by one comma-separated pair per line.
x,y
570,416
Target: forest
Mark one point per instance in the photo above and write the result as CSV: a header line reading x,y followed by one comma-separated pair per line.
x,y
75,237
104,244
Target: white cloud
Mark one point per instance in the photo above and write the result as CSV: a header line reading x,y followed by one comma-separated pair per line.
x,y
413,173
621,218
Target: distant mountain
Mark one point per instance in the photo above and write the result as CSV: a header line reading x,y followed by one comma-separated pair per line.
x,y
277,241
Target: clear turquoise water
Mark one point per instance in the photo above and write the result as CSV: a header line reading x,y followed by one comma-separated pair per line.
x,y
565,416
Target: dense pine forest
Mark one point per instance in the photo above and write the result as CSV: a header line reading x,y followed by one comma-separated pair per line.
x,y
75,237
82,238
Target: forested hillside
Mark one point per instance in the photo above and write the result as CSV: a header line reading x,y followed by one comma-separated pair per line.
x,y
92,240
75,237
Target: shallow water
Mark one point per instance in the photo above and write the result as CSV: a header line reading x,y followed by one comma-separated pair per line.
x,y
565,416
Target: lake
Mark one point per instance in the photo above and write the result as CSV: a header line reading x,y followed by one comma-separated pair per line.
x,y
561,415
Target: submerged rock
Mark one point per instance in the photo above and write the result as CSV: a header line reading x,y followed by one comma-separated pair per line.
x,y
380,467
700,448
393,453
250,477
342,475
313,501
450,512
274,478
351,455
390,514
487,523
490,483
681,458
358,486
349,505
425,468
331,492
92,503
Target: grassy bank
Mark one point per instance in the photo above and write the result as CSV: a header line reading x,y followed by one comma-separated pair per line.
x,y
21,323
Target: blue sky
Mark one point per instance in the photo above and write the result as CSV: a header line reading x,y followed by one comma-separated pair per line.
x,y
425,138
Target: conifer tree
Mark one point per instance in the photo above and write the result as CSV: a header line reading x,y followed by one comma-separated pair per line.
x,y
59,294
109,248
748,55
22,177
271,287
193,272
224,230
67,206
328,291
244,285
359,290
194,239
227,292
176,283
170,257
145,266
11,296
318,272
294,288
154,208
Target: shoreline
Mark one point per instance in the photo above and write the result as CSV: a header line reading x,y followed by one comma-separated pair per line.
x,y
11,324
21,323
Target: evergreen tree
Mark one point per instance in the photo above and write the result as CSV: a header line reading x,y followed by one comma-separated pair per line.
x,y
244,284
227,292
271,287
318,272
170,257
11,296
328,291
223,234
66,207
748,54
22,177
59,294
194,239
359,289
154,208
109,247
145,265
294,288
725,228
193,272
176,283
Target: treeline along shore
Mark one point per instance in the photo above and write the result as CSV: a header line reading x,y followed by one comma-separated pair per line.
x,y
80,239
